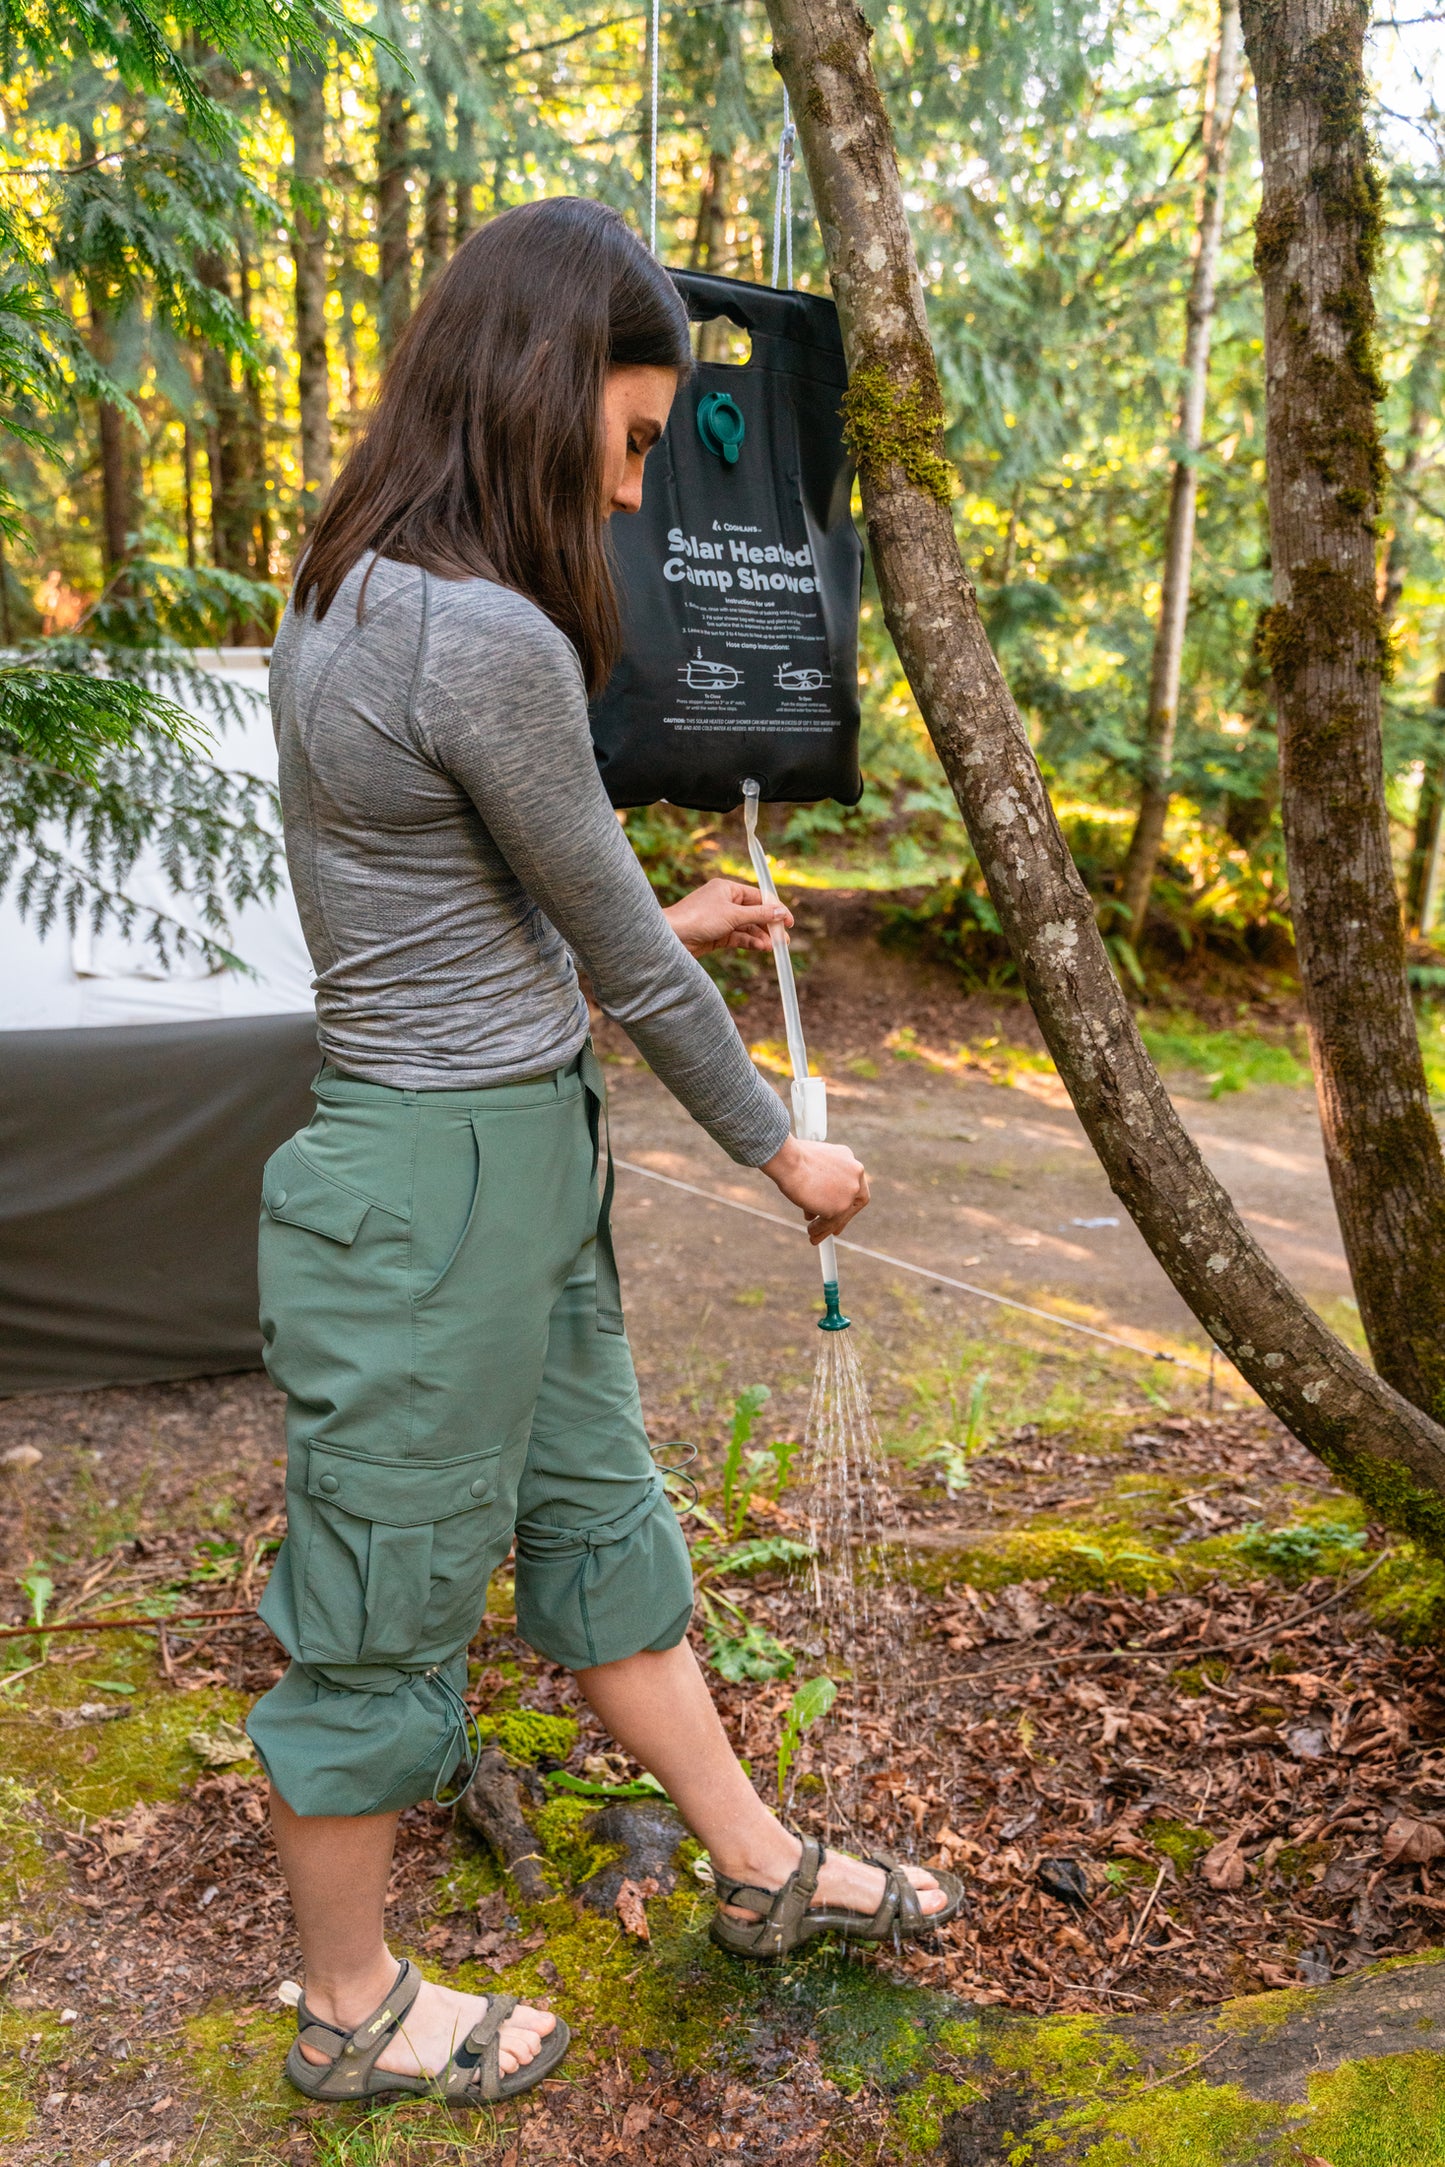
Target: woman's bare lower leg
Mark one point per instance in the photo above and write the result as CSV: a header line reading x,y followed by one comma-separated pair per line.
x,y
337,1868
658,1707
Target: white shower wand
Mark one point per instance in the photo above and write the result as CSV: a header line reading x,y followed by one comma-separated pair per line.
x,y
810,1093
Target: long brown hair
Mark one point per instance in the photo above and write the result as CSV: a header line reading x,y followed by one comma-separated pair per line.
x,y
483,453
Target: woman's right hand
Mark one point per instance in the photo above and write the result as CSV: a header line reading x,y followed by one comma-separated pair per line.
x,y
825,1181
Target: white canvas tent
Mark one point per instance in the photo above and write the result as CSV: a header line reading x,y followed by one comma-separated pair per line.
x,y
137,1106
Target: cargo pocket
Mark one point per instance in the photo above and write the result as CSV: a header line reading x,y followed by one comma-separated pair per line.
x,y
397,1556
296,1194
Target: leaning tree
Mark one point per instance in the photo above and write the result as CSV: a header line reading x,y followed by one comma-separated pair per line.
x,y
1367,1432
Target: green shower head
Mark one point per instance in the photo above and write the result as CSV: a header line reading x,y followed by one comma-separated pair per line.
x,y
832,1319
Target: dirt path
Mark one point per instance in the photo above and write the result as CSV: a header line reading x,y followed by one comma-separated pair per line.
x,y
990,1181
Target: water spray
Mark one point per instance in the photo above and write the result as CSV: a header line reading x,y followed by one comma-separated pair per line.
x,y
810,1093
861,1593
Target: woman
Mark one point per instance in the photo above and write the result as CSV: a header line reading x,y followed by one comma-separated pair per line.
x,y
439,1300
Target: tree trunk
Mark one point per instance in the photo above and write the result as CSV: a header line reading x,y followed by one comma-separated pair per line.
x,y
436,230
1422,879
709,242
393,237
709,250
1159,722
1371,1437
1426,867
1326,646
117,469
308,243
188,470
231,447
120,511
464,217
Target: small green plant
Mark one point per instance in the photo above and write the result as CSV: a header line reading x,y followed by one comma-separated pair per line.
x,y
736,1490
752,1556
738,1649
39,1587
216,1559
1303,1549
954,1458
813,1699
643,1786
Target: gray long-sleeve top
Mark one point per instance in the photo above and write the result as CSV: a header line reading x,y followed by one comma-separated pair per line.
x,y
449,838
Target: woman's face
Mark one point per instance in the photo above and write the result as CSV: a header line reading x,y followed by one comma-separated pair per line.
x,y
635,406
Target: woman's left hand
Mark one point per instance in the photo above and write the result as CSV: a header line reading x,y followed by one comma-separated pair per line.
x,y
725,914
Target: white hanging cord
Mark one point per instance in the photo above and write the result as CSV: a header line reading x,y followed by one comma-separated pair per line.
x,y
901,1264
783,193
652,161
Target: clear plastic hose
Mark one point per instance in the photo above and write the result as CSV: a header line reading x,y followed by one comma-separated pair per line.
x,y
763,874
810,1094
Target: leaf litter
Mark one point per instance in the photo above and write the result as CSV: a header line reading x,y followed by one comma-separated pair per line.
x,y
1157,1800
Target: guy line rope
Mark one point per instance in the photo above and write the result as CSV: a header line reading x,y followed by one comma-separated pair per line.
x,y
942,1279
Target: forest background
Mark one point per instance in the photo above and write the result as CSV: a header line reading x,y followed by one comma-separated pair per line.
x,y
196,316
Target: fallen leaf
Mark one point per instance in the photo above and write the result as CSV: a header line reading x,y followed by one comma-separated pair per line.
x,y
632,1906
1223,1867
1085,1694
219,1748
637,2118
1408,1842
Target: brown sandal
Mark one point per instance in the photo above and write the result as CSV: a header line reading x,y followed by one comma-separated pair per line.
x,y
472,2076
789,1919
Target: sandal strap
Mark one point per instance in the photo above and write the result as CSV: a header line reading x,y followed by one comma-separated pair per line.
x,y
475,2067
778,1930
747,1894
900,1906
353,2061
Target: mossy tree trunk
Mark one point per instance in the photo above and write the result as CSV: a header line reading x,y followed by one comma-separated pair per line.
x,y
1325,643
1168,658
1391,1452
308,240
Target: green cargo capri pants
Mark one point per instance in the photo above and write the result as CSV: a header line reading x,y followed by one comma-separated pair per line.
x,y
439,1304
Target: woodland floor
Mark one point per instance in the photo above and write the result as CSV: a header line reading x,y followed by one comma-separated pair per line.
x,y
1162,1696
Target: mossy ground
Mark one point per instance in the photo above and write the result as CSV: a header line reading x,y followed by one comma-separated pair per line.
x,y
1075,1505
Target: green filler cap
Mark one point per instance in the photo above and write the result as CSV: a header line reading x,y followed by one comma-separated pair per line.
x,y
721,426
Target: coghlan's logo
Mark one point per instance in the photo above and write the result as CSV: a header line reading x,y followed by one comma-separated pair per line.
x,y
746,566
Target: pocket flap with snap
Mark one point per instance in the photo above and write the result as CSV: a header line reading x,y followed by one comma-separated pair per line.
x,y
401,1493
296,1194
